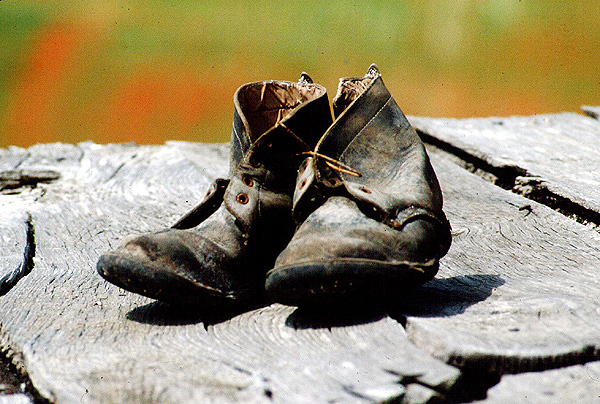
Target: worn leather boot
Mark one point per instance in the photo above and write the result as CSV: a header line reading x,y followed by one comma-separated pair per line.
x,y
368,204
219,252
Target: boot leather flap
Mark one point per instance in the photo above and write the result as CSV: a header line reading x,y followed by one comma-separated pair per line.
x,y
210,203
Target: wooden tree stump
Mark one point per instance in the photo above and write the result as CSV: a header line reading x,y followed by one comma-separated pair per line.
x,y
512,314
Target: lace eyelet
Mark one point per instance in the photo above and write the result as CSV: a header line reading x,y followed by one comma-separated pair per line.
x,y
248,181
365,190
242,198
332,182
302,184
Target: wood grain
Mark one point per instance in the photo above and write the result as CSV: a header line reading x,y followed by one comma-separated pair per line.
x,y
518,290
516,293
559,153
574,384
83,340
592,111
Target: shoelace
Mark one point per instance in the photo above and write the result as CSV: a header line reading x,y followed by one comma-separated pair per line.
x,y
333,163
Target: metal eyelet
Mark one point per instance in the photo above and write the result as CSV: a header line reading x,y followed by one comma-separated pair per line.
x,y
242,198
365,190
332,182
248,181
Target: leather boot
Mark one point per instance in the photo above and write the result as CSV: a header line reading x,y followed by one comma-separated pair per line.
x,y
368,204
219,252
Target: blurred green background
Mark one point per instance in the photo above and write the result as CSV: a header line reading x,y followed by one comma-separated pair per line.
x,y
150,71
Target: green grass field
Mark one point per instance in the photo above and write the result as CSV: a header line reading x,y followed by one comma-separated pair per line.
x,y
150,71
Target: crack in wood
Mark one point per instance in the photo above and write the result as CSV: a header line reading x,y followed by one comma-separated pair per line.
x,y
14,382
22,160
14,378
516,180
592,112
11,279
479,373
503,176
472,384
504,365
11,382
533,189
15,179
116,170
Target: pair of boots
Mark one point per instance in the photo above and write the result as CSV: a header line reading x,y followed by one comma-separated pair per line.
x,y
314,210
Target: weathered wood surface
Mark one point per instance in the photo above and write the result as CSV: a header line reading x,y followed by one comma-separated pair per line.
x,y
551,157
15,399
83,340
519,289
518,292
574,384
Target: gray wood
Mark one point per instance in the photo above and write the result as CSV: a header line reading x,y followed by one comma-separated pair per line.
x,y
15,253
575,384
11,158
519,288
15,399
558,153
517,292
81,339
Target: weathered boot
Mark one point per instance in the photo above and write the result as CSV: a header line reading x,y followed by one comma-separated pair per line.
x,y
368,203
219,252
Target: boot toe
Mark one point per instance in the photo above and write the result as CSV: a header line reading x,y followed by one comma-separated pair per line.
x,y
162,267
352,257
155,282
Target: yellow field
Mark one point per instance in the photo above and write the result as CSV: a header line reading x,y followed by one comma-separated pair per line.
x,y
150,71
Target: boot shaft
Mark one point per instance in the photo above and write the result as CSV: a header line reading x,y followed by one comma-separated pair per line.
x,y
370,152
277,111
274,123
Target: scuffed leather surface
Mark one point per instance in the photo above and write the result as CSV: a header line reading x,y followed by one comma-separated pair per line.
x,y
223,248
368,206
373,137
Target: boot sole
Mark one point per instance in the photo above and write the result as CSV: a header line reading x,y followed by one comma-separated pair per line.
x,y
165,286
344,280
